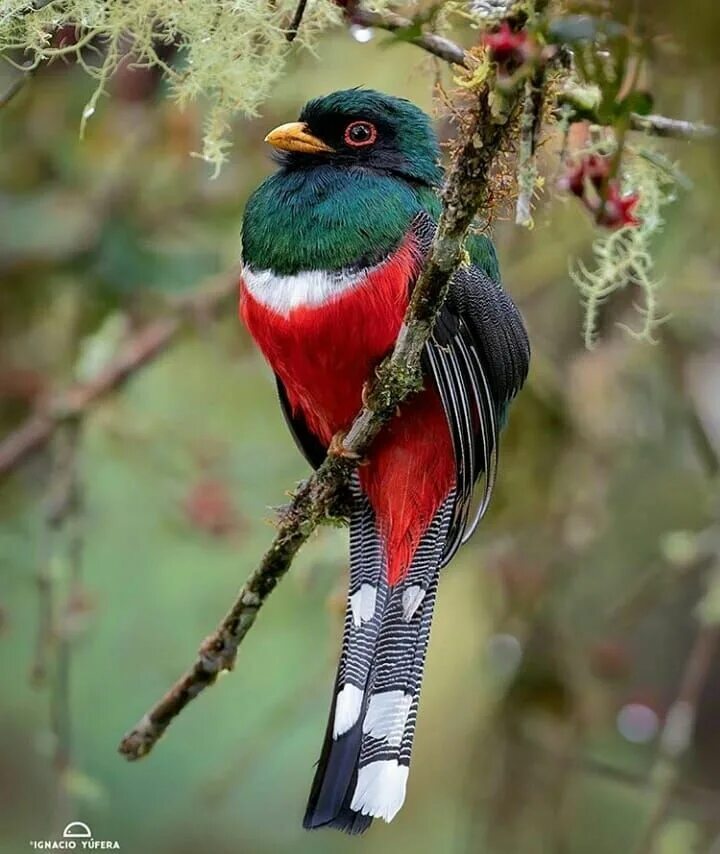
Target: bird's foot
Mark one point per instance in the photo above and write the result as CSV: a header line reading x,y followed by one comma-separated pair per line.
x,y
338,449
365,394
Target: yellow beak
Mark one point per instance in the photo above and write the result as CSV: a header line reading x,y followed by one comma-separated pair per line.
x,y
295,136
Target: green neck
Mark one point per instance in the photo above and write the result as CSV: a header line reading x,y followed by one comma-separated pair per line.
x,y
327,218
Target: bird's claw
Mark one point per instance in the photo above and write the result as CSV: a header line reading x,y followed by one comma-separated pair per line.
x,y
365,394
338,449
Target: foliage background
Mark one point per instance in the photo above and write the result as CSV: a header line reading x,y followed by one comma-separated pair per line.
x,y
600,472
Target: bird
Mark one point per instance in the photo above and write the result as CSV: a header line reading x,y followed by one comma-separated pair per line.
x,y
333,243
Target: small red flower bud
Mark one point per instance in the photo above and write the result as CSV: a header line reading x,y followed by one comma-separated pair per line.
x,y
594,168
618,210
574,180
597,169
588,180
507,46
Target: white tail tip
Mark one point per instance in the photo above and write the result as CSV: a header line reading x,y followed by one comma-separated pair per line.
x,y
380,789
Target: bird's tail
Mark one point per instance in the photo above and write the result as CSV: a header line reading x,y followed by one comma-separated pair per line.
x,y
363,768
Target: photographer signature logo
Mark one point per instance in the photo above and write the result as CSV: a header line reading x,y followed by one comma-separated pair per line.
x,y
77,836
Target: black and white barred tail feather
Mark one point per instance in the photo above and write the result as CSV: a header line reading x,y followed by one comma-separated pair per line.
x,y
336,774
363,768
477,357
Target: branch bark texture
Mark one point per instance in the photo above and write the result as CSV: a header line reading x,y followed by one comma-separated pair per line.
x,y
465,192
439,46
142,348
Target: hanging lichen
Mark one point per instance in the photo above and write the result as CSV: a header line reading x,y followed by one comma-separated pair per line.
x,y
230,52
623,257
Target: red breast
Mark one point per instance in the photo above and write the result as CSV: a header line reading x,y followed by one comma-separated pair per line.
x,y
323,354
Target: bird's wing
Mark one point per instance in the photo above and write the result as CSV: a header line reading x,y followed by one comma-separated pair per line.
x,y
308,443
478,356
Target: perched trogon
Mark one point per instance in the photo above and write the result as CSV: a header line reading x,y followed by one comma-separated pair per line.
x,y
332,244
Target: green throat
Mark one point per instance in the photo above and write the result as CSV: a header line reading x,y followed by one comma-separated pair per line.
x,y
329,218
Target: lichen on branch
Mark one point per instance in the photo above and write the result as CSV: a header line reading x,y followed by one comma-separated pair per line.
x,y
624,257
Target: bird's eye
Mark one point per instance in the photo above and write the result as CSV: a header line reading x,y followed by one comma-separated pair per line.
x,y
358,134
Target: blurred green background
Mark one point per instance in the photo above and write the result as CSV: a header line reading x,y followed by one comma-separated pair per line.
x,y
561,632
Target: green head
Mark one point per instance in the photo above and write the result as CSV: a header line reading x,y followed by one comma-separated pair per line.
x,y
364,129
355,170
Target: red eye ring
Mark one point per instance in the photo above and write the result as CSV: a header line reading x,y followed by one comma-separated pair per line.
x,y
359,134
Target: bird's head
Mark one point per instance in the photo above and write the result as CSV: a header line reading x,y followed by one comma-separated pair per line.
x,y
361,128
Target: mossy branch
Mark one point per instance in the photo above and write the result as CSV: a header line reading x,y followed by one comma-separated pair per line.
x,y
465,192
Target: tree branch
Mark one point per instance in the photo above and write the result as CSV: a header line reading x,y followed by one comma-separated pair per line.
x,y
530,124
454,54
142,348
466,190
292,30
437,45
17,85
676,736
676,128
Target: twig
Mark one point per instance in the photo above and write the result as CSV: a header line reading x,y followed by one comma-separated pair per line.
x,y
677,128
466,190
676,736
17,85
144,346
677,733
64,548
529,129
582,109
437,45
44,630
453,53
292,30
706,801
677,363
654,585
62,504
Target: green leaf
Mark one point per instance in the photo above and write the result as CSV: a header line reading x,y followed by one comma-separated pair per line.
x,y
639,102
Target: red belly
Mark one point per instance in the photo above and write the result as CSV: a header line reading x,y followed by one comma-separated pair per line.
x,y
323,356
